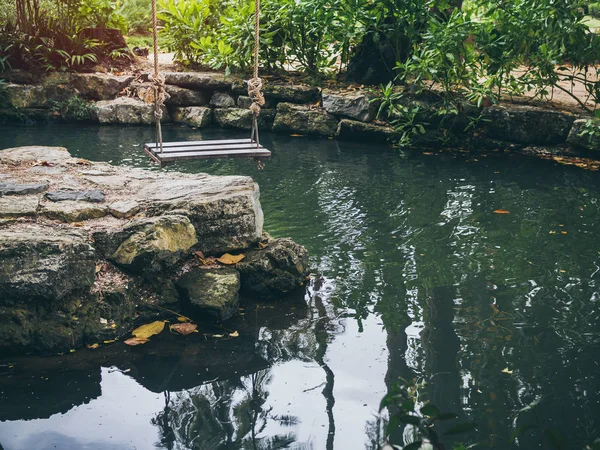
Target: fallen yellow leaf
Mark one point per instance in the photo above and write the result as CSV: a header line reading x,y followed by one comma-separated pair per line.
x,y
507,371
136,341
110,341
231,259
501,211
234,334
93,346
184,328
563,232
184,319
218,335
150,329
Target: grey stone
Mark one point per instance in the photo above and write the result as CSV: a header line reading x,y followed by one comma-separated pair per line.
x,y
124,110
242,118
222,100
185,97
577,140
527,124
73,211
361,131
91,195
274,271
43,262
194,116
21,206
211,292
22,189
225,210
100,86
124,209
356,105
281,92
198,80
25,96
292,118
244,101
34,153
153,244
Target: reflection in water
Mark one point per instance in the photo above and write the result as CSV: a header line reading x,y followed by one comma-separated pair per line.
x,y
418,279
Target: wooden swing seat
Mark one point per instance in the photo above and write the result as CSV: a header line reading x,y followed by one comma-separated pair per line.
x,y
221,148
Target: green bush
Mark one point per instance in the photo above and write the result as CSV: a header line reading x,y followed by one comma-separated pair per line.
x,y
137,15
594,10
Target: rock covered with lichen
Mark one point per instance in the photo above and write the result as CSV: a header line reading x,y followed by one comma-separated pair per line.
x,y
86,249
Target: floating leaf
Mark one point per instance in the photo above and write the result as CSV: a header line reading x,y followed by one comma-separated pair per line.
x,y
136,341
72,350
296,135
110,341
563,232
93,346
218,335
150,329
184,319
505,370
234,334
231,259
184,328
501,211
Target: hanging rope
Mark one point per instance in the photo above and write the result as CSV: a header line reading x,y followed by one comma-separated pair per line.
x,y
158,82
255,84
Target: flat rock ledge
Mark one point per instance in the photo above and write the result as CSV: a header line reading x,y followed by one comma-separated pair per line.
x,y
88,250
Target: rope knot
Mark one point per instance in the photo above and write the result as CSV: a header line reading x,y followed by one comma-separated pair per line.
x,y
255,94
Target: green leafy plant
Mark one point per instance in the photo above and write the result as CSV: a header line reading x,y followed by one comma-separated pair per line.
x,y
74,108
401,401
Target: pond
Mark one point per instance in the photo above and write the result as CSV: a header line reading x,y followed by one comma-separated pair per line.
x,y
475,278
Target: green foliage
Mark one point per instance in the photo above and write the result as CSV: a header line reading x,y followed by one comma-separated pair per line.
x,y
401,401
594,10
100,14
75,108
137,15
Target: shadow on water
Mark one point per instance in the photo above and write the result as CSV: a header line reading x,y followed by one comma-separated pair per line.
x,y
487,314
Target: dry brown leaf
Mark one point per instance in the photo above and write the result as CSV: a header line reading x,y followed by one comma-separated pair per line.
x,y
231,259
93,346
184,328
296,135
136,341
77,224
262,245
149,329
501,211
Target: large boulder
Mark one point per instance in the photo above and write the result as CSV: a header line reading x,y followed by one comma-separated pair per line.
x,y
25,96
299,119
281,92
194,116
123,110
198,80
578,139
43,262
34,153
179,96
100,86
274,271
359,105
361,131
225,211
211,292
152,244
222,100
242,118
527,124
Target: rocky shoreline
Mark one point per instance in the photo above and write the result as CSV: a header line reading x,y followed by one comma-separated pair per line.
x,y
202,99
89,250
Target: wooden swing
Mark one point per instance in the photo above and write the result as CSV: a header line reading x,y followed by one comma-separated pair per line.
x,y
169,152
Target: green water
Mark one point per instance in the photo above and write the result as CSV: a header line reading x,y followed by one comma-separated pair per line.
x,y
419,279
